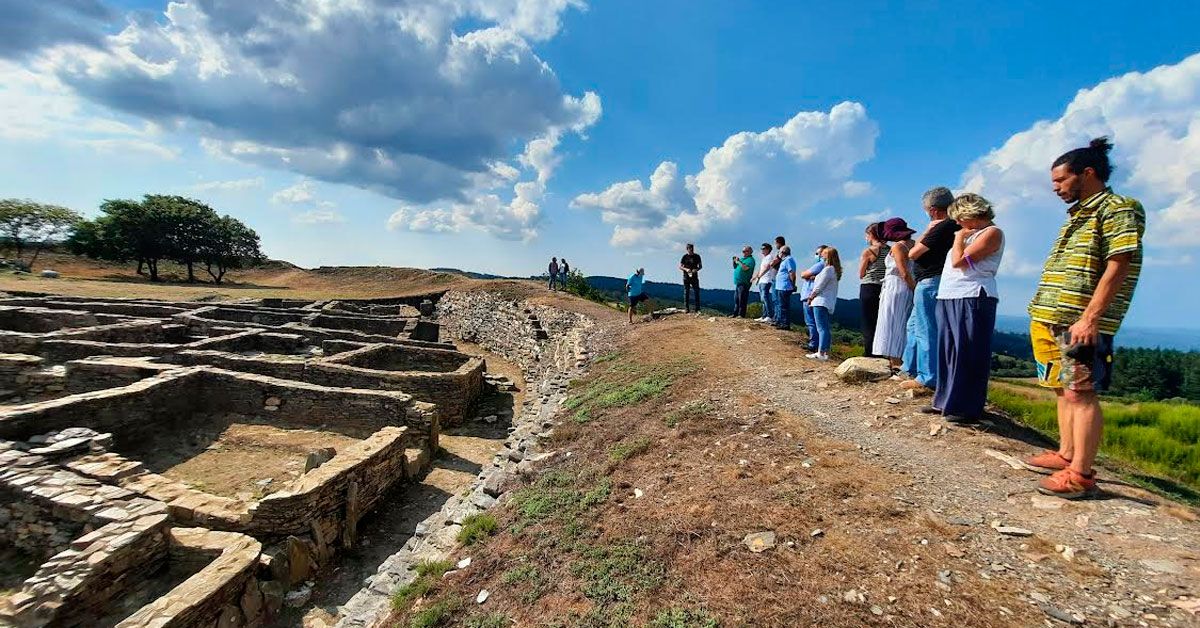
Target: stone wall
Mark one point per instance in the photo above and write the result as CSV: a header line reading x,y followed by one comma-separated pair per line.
x,y
537,338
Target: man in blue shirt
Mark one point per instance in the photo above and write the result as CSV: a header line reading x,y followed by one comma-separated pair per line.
x,y
810,320
785,285
637,291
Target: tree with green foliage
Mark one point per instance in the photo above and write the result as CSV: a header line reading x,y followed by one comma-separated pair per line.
x,y
24,222
229,244
166,227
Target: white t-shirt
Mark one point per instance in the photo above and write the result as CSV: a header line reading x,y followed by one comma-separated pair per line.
x,y
769,276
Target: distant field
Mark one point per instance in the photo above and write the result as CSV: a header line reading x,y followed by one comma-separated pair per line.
x,y
1155,438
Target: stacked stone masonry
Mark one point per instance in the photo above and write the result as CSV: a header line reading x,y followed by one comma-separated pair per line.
x,y
88,384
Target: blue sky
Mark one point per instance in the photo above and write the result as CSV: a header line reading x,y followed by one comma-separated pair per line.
x,y
491,135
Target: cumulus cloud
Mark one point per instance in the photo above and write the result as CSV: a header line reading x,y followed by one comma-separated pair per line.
x,y
394,97
750,180
304,191
27,25
1153,119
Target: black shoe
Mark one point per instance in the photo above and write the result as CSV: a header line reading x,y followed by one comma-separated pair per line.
x,y
930,410
955,418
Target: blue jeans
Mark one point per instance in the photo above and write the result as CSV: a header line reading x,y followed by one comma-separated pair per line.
x,y
783,318
921,335
768,300
824,327
810,322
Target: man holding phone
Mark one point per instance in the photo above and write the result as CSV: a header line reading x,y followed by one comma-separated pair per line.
x,y
1085,290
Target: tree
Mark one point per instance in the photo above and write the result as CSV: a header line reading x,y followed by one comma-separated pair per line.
x,y
127,230
25,222
229,244
190,226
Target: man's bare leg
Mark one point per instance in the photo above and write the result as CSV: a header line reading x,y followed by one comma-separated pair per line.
x,y
1066,432
1087,427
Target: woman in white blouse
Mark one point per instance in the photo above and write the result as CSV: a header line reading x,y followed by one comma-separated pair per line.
x,y
823,299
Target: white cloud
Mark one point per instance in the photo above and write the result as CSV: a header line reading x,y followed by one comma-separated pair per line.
x,y
748,182
1153,119
303,192
233,185
402,98
859,219
318,217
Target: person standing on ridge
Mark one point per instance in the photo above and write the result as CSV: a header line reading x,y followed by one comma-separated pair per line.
x,y
776,261
553,271
743,273
895,299
785,286
822,300
764,276
929,257
805,287
691,264
1085,290
636,289
872,266
566,273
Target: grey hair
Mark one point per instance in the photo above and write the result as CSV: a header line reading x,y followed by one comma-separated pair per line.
x,y
938,198
971,206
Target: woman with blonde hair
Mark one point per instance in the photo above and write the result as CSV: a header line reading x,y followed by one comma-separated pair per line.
x,y
822,298
966,310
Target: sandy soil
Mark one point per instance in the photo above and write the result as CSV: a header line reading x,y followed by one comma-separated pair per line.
x,y
234,459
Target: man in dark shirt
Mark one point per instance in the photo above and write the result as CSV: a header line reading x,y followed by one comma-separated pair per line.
x,y
928,255
690,264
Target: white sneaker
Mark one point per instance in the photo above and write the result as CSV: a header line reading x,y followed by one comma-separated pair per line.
x,y
824,357
813,355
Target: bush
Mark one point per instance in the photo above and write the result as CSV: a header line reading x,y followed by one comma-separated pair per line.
x,y
754,310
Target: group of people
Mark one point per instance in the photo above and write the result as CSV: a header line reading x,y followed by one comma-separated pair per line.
x,y
558,270
929,302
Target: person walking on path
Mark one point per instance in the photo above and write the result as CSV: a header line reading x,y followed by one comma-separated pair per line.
x,y
566,272
871,269
743,272
636,289
895,299
785,286
805,288
822,299
1085,290
764,277
691,264
966,310
928,256
553,272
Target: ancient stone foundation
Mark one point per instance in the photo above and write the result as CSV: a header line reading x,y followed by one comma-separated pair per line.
x,y
127,490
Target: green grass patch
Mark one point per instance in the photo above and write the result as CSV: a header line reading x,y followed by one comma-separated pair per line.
x,y
1157,438
491,620
626,383
477,527
437,614
689,411
625,450
683,618
528,575
428,572
614,574
558,495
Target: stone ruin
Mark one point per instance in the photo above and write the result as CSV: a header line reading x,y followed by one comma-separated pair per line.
x,y
189,464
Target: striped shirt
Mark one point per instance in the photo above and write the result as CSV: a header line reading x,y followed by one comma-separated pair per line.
x,y
1097,228
878,268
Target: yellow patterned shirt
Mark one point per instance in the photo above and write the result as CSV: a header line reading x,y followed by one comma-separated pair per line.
x,y
1097,228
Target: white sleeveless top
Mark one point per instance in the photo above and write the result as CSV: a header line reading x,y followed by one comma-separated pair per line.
x,y
969,282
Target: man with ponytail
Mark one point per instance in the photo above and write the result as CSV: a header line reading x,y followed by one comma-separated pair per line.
x,y
1085,290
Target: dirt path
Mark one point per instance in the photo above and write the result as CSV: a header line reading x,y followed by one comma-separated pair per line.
x,y
1134,554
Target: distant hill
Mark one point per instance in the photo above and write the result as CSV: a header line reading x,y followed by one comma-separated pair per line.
x,y
1150,338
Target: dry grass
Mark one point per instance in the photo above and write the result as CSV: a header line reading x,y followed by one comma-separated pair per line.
x,y
578,548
